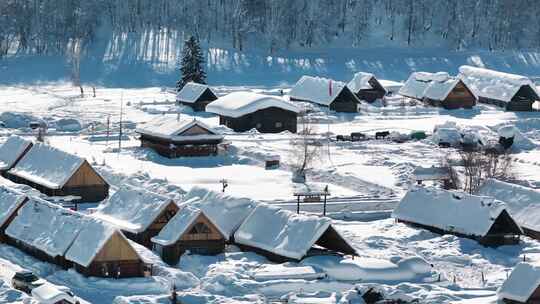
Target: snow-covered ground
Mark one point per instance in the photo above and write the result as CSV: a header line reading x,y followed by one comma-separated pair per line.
x,y
362,176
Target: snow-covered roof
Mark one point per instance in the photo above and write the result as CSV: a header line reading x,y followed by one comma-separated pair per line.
x,y
49,294
430,173
227,213
10,200
390,85
12,150
317,89
451,211
360,81
238,104
47,166
132,209
191,92
177,226
47,227
169,127
93,235
522,282
435,86
281,232
523,202
493,84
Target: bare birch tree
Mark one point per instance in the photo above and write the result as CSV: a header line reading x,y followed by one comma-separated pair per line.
x,y
306,148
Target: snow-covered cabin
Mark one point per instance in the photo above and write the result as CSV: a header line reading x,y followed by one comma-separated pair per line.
x,y
439,89
57,173
510,91
326,92
172,137
12,151
10,202
366,87
243,111
139,213
282,235
68,238
189,230
196,95
523,203
522,286
449,212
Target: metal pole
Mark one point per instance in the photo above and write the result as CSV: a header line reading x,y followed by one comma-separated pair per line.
x,y
324,205
298,205
121,112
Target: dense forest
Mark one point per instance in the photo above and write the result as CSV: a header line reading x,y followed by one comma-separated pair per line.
x,y
59,26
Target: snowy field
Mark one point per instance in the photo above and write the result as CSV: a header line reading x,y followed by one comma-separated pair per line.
x,y
363,177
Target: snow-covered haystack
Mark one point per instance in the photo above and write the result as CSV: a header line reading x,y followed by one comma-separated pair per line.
x,y
520,141
447,136
15,120
68,125
521,284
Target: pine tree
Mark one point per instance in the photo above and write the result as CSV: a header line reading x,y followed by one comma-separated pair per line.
x,y
192,64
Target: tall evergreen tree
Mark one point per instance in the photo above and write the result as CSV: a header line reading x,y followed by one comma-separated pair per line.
x,y
192,64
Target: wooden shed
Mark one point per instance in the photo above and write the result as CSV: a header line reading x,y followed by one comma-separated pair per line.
x,y
366,87
481,218
189,230
243,111
58,173
509,91
288,236
139,213
326,92
12,151
171,137
196,95
522,286
10,202
439,89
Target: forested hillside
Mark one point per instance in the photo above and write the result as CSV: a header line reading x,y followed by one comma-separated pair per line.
x,y
58,26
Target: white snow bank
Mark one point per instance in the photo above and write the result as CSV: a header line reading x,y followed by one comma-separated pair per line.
x,y
313,298
12,150
191,92
169,127
284,272
16,120
523,202
47,166
430,173
452,211
507,131
317,89
370,269
177,226
225,211
450,136
493,84
522,282
238,104
10,200
132,209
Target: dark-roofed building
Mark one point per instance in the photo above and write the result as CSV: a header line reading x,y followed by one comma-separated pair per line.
x,y
326,92
196,95
366,87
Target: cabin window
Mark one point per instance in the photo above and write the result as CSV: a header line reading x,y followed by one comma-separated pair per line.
x,y
279,124
199,228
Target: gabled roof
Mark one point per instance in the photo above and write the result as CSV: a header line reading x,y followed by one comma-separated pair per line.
x,y
169,127
435,86
191,92
522,282
493,84
10,200
178,226
132,209
523,202
238,104
12,150
360,82
317,89
47,227
281,232
450,211
47,166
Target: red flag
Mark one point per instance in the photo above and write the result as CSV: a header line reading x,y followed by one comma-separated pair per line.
x,y
330,87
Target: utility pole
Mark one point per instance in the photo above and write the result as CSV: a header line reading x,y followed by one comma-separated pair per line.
x,y
121,113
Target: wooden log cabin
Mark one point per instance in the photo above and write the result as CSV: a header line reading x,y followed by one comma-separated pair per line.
x,y
139,213
196,96
522,286
449,212
366,87
58,173
509,91
10,202
190,230
172,137
287,236
243,111
439,89
335,95
12,151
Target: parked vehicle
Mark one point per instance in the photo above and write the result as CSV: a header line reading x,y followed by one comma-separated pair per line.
x,y
52,294
26,281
